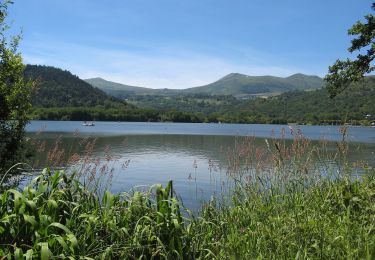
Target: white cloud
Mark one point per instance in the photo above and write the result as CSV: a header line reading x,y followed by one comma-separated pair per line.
x,y
157,68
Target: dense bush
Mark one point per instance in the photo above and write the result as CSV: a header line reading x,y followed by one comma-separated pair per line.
x,y
56,215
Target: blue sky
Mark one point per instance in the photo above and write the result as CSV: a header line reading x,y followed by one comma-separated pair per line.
x,y
185,43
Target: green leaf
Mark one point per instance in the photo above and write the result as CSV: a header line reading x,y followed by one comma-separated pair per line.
x,y
18,254
29,254
61,226
45,253
30,219
62,242
52,204
73,240
31,204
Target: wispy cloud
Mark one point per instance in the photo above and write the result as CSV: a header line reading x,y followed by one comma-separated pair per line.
x,y
160,67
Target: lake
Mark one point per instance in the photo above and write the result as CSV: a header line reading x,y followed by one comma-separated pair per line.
x,y
194,156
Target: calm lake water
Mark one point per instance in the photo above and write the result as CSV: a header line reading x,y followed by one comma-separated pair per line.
x,y
192,155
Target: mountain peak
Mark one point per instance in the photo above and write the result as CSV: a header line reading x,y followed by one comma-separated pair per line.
x,y
96,78
234,75
301,75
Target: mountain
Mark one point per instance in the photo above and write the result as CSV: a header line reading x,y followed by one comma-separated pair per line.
x,y
125,91
60,88
354,103
314,106
234,84
243,86
117,89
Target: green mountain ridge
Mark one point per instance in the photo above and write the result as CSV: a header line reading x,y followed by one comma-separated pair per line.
x,y
60,88
234,84
354,106
356,103
117,89
240,85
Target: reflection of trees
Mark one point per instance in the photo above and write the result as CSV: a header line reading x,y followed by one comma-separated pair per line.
x,y
209,147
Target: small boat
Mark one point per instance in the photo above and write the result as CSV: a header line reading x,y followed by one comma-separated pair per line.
x,y
88,124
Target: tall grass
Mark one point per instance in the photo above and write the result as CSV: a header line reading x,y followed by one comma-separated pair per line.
x,y
332,220
57,216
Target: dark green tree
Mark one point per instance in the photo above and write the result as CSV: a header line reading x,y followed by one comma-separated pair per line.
x,y
15,95
343,73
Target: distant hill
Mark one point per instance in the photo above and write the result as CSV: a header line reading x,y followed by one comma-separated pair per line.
x,y
117,89
243,86
235,84
313,106
59,88
125,91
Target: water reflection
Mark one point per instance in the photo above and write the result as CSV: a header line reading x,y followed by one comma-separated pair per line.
x,y
196,163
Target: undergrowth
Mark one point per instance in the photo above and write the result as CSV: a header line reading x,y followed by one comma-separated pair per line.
x,y
55,215
334,219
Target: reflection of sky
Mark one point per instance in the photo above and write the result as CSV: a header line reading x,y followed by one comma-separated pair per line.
x,y
159,158
154,167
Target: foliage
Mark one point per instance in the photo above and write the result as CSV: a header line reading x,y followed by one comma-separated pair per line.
x,y
329,221
114,114
309,107
14,96
342,73
206,104
315,107
55,215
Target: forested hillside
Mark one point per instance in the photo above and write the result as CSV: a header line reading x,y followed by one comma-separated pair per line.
x,y
59,88
243,86
313,107
316,107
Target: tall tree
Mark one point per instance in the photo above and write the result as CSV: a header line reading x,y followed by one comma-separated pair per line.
x,y
343,73
15,94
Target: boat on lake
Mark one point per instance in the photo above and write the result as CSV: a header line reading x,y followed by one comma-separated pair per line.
x,y
88,123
